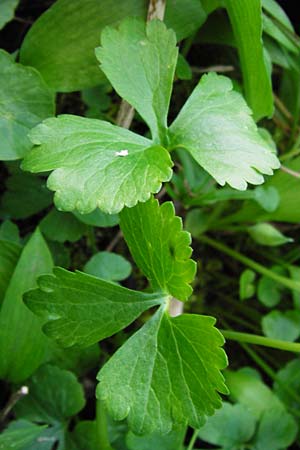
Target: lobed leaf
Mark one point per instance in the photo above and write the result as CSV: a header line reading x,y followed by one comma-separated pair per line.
x,y
216,127
54,395
160,247
20,434
139,60
81,309
168,372
96,164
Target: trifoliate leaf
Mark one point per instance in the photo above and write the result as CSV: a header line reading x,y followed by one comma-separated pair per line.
x,y
216,127
168,372
230,427
22,343
282,325
139,60
61,227
82,309
162,249
54,395
267,234
97,164
19,434
25,100
7,9
108,266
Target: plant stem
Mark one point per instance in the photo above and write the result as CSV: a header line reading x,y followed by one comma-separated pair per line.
x,y
261,340
101,427
15,397
193,440
291,284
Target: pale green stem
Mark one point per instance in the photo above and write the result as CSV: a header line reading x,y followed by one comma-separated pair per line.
x,y
261,340
193,440
291,284
101,426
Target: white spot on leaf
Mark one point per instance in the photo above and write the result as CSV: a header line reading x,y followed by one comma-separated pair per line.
x,y
122,153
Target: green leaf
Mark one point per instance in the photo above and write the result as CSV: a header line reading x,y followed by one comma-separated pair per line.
x,y
282,325
172,440
183,69
288,189
168,372
159,246
22,342
9,254
277,430
51,437
246,22
97,164
25,100
81,309
51,45
9,231
247,286
288,380
62,227
97,100
98,218
230,427
267,197
266,234
75,359
54,395
25,196
7,10
139,60
85,435
247,389
269,291
184,17
277,12
108,266
215,126
19,434
273,30
196,222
